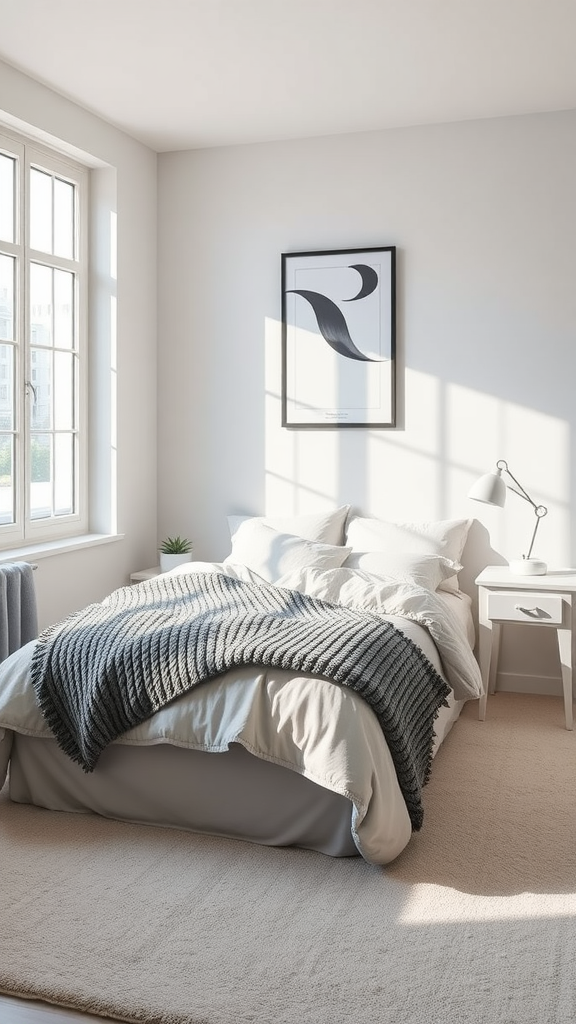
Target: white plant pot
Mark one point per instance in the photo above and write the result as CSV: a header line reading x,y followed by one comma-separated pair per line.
x,y
171,561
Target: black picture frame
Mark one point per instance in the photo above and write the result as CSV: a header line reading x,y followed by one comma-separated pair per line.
x,y
339,338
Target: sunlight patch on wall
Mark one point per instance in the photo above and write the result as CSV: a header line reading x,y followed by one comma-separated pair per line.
x,y
404,467
536,447
450,435
301,465
436,904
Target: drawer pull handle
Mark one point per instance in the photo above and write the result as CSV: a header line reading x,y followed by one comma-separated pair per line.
x,y
527,611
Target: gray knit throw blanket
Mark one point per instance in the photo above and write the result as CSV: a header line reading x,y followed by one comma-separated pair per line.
x,y
109,667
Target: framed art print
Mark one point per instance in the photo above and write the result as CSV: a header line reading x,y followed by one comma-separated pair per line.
x,y
339,338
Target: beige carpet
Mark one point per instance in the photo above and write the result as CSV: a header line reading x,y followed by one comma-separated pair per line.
x,y
475,923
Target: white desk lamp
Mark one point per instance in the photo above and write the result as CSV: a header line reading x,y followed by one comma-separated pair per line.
x,y
491,489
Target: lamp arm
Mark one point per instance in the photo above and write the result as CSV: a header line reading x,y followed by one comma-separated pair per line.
x,y
502,465
539,510
536,525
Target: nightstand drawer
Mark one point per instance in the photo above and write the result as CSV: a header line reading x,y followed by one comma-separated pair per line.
x,y
525,606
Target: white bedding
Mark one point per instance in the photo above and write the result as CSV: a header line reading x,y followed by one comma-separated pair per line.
x,y
315,727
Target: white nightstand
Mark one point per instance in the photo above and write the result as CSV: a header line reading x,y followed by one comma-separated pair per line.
x,y
543,601
145,574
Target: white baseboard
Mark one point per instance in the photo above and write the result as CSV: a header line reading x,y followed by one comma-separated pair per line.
x,y
514,683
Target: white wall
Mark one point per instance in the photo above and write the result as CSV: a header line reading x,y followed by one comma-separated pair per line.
x,y
483,215
68,581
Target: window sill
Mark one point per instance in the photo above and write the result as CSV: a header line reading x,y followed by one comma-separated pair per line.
x,y
58,547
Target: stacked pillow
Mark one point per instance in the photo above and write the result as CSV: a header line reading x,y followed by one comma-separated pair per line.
x,y
427,552
272,552
325,527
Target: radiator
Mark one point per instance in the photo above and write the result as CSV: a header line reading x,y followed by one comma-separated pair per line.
x,y
18,610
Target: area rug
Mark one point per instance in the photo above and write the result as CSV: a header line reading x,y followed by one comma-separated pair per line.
x,y
475,923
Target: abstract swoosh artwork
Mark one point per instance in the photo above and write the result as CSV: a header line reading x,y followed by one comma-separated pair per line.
x,y
369,281
331,324
338,338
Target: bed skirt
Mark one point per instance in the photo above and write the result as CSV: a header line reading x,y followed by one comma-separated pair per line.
x,y
232,793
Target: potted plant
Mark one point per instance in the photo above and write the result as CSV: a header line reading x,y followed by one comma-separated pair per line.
x,y
174,551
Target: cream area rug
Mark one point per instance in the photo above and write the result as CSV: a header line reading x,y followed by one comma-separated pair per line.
x,y
475,923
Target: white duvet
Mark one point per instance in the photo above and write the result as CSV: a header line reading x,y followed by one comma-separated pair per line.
x,y
308,724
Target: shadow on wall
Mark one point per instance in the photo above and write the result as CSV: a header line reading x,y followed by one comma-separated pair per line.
x,y
478,553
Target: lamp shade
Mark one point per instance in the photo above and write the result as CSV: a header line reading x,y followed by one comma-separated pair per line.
x,y
490,489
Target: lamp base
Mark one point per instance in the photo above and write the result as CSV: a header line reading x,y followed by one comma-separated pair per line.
x,y
528,567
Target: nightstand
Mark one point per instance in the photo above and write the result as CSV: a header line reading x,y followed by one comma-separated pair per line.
x,y
547,602
145,574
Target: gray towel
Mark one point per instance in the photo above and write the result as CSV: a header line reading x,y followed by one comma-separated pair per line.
x,y
18,612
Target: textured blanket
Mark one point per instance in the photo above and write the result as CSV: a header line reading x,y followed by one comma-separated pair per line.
x,y
109,667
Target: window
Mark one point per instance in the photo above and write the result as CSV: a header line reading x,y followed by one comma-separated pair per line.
x,y
43,304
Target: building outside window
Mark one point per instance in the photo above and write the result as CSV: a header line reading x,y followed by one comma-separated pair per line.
x,y
43,307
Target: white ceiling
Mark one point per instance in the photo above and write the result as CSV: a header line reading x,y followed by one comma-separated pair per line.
x,y
182,74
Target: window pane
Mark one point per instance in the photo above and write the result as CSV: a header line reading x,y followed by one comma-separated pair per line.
x,y
7,267
6,479
43,310
40,476
7,197
41,391
40,304
63,309
40,210
64,474
6,387
63,391
63,219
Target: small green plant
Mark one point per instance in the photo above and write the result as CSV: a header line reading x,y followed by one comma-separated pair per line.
x,y
176,546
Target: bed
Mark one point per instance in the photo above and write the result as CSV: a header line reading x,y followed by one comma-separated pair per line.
x,y
268,749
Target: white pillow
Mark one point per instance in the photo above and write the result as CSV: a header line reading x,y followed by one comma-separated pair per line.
x,y
272,554
445,537
427,571
325,527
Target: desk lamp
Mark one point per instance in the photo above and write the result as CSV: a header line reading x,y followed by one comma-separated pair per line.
x,y
491,489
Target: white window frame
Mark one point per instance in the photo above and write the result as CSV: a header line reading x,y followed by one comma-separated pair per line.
x,y
29,153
